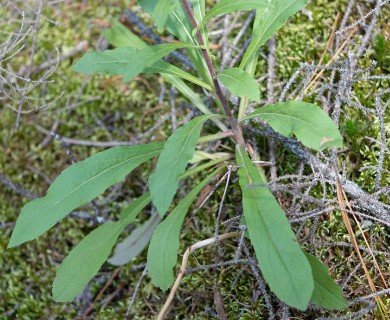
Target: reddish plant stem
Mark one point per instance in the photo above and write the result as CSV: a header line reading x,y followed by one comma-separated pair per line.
x,y
233,123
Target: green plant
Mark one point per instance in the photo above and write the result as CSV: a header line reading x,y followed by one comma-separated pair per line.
x,y
294,276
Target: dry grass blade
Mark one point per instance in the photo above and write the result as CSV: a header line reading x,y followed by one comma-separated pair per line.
x,y
342,199
331,60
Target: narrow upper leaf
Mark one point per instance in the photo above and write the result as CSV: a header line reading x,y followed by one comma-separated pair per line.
x,y
85,260
167,68
77,185
177,152
128,62
179,25
327,294
132,245
310,124
148,56
229,6
161,13
240,83
281,260
273,19
121,37
162,252
112,62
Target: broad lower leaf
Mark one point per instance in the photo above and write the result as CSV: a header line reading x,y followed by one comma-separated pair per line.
x,y
229,6
327,294
77,185
133,245
162,252
281,260
177,152
240,83
308,122
85,260
273,19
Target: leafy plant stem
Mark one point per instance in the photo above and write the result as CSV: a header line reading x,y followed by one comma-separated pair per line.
x,y
233,123
183,267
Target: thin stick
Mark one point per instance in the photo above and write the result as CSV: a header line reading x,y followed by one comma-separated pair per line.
x,y
183,267
136,291
89,309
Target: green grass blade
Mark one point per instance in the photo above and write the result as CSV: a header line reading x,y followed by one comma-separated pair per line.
x,y
308,122
273,19
177,152
85,260
162,252
77,185
281,260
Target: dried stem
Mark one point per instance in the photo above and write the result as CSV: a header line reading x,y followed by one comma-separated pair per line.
x,y
183,267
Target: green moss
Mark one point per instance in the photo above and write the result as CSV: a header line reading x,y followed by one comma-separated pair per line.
x,y
30,269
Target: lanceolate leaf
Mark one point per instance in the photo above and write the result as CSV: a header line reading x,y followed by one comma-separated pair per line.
x,y
85,260
327,294
281,260
310,124
112,62
77,185
177,152
162,252
130,247
273,19
120,36
240,83
161,12
125,61
229,6
199,8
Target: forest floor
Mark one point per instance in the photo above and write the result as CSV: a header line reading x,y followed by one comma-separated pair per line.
x,y
62,116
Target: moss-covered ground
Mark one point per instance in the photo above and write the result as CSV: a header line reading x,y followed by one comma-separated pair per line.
x,y
27,272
